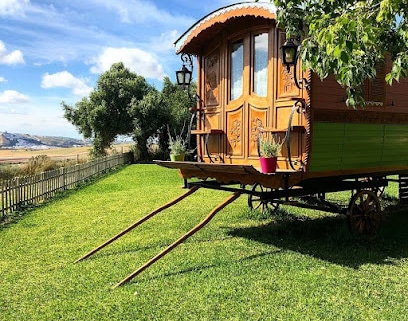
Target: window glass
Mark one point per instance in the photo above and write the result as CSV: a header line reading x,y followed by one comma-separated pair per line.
x,y
237,66
261,64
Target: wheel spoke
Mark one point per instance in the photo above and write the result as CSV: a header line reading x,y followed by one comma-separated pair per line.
x,y
258,206
258,202
364,213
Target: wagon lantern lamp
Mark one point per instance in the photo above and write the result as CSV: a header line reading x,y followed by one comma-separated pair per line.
x,y
289,53
290,56
185,75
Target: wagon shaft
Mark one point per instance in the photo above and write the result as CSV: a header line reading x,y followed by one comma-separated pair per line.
x,y
194,230
142,220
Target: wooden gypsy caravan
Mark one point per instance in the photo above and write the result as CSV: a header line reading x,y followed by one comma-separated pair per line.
x,y
245,92
245,89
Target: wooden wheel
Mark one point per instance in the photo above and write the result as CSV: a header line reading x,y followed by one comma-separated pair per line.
x,y
364,213
261,203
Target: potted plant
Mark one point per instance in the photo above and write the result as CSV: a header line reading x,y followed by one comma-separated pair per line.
x,y
177,146
269,150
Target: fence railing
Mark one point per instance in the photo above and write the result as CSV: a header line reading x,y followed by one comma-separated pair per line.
x,y
24,191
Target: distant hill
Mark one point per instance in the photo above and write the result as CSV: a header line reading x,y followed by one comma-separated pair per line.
x,y
10,140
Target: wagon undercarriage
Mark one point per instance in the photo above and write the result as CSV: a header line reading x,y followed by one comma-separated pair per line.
x,y
363,211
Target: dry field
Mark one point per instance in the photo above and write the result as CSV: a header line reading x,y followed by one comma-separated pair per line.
x,y
18,156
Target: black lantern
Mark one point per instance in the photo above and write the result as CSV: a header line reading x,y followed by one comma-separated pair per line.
x,y
290,56
289,53
184,76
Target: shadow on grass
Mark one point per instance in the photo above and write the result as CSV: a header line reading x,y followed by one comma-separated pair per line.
x,y
328,238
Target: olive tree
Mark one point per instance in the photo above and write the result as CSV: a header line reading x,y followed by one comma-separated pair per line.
x,y
105,113
123,103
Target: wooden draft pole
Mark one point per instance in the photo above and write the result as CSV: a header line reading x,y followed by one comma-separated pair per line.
x,y
143,219
198,227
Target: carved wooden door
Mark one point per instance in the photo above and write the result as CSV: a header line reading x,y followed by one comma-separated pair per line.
x,y
249,95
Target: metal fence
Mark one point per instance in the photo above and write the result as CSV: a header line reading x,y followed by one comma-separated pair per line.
x,y
20,192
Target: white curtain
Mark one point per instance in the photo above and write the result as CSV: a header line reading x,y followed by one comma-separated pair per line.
x,y
237,67
261,64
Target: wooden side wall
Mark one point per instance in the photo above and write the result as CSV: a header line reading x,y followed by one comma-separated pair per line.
x,y
352,141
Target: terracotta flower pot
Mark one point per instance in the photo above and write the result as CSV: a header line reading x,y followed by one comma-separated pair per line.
x,y
268,164
177,158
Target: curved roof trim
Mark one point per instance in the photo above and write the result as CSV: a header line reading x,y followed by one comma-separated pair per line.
x,y
257,9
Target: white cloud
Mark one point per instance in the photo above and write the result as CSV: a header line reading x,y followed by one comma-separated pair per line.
x,y
141,12
141,62
67,80
165,42
13,97
10,58
2,79
12,7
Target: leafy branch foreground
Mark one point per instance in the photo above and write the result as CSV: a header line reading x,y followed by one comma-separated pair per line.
x,y
299,265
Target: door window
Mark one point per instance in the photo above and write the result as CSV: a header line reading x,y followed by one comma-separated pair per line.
x,y
237,67
260,68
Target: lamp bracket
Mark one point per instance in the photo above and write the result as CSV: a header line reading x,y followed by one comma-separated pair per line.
x,y
187,59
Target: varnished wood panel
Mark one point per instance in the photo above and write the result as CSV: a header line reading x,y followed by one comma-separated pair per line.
x,y
212,78
235,132
258,119
285,85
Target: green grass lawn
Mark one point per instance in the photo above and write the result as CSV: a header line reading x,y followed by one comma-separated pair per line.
x,y
297,265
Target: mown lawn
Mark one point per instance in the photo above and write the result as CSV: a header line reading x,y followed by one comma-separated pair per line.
x,y
298,265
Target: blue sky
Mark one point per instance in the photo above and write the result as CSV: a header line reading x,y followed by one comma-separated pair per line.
x,y
53,51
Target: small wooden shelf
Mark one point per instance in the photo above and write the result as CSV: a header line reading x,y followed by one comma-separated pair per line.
x,y
207,132
295,129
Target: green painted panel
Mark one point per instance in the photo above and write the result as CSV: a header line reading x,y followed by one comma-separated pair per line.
x,y
357,146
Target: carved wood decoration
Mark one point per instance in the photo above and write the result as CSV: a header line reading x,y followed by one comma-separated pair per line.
x,y
212,78
235,132
286,84
258,119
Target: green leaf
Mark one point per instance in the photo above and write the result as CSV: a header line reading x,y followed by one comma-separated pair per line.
x,y
349,45
345,57
337,52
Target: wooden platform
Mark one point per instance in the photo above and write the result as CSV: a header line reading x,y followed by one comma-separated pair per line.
x,y
233,174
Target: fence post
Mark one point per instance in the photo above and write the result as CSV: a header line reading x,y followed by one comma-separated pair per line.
x,y
2,198
41,186
61,181
77,174
17,192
